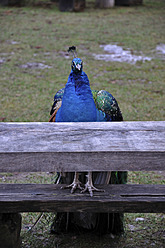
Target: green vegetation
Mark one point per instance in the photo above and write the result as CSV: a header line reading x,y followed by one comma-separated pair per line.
x,y
34,37
43,35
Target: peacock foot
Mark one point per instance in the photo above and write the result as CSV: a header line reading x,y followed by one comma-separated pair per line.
x,y
90,188
89,185
75,185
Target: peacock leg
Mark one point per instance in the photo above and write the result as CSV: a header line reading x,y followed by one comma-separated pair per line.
x,y
75,185
89,185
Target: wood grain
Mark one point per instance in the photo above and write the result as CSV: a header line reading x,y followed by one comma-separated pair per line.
x,y
50,198
26,147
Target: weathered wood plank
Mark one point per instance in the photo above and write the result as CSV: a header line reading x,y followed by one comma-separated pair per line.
x,y
116,198
82,161
82,137
82,146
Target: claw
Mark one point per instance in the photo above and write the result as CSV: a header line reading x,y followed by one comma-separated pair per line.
x,y
90,187
75,185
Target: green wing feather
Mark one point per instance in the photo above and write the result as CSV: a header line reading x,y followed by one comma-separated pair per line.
x,y
105,102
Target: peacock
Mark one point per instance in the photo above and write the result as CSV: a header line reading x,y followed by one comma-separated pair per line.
x,y
78,103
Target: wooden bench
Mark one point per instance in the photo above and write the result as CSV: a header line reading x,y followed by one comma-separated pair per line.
x,y
68,147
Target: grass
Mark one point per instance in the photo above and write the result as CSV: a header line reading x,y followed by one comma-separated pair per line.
x,y
43,35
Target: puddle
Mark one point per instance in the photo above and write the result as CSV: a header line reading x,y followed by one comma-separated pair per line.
x,y
13,42
35,65
118,54
2,60
160,48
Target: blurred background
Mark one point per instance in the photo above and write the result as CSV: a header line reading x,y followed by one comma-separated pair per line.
x,y
123,49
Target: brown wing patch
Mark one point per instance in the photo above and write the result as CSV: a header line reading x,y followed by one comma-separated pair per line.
x,y
56,108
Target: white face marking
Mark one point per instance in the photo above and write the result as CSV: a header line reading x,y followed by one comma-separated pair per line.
x,y
78,66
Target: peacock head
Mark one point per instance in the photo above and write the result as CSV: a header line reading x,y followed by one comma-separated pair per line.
x,y
77,65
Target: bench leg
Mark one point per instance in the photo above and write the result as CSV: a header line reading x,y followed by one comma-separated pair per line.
x,y
10,228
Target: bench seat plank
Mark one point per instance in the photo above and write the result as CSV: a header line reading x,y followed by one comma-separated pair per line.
x,y
50,198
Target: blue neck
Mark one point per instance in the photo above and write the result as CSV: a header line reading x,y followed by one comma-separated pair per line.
x,y
77,104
